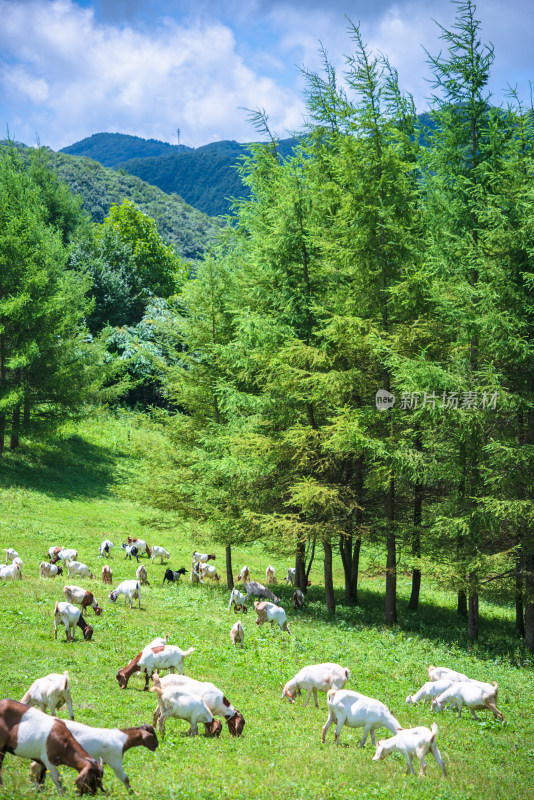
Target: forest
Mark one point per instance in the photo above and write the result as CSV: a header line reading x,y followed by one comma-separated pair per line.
x,y
349,366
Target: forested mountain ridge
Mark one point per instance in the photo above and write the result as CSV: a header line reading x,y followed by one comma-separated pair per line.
x,y
206,177
178,223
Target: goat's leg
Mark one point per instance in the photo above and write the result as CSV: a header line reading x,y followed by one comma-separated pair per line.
x,y
329,721
472,710
366,731
372,736
68,700
437,755
308,695
409,765
54,774
315,698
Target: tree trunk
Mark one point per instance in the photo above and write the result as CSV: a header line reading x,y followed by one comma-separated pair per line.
x,y
26,414
345,549
15,428
529,599
300,567
229,575
519,610
2,432
461,607
472,622
355,569
391,560
416,544
328,580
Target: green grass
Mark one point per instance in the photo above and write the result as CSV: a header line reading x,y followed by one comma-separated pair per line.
x,y
62,491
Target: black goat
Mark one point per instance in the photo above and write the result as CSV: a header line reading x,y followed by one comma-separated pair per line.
x,y
172,576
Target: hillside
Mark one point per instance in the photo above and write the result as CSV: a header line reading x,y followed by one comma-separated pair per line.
x,y
109,149
205,177
188,229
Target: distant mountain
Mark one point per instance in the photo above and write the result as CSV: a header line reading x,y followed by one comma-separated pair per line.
x,y
206,177
109,149
188,229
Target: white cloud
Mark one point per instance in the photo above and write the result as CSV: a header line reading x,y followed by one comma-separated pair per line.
x,y
82,77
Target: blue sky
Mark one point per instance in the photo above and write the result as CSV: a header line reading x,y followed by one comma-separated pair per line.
x,y
71,68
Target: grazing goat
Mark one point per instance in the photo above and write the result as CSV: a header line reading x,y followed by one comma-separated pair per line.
x,y
255,589
475,696
107,574
10,554
207,571
47,570
141,545
53,553
81,597
238,601
142,575
105,548
270,574
71,617
298,599
110,744
269,612
79,570
203,557
173,576
213,697
429,690
237,634
67,555
131,591
194,576
159,552
52,691
123,675
10,572
358,711
167,656
412,742
29,733
130,550
291,576
316,678
244,575
173,701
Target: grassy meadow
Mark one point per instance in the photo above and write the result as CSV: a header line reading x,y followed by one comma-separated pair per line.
x,y
63,491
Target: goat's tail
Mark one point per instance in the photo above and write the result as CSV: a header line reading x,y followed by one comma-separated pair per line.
x,y
55,608
188,652
66,685
435,730
330,694
347,674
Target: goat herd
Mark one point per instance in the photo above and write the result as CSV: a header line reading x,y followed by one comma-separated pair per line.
x,y
27,731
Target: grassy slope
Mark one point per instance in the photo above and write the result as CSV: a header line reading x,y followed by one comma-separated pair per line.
x,y
62,493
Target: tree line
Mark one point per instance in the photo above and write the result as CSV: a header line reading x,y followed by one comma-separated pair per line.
x,y
354,362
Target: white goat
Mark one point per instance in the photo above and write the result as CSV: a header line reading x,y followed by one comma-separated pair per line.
x,y
358,711
203,557
79,570
238,600
291,576
316,678
105,548
439,673
10,572
270,574
429,690
68,554
237,634
163,657
412,742
160,552
473,695
207,571
52,692
173,701
142,575
131,591
10,554
110,744
212,696
47,570
269,612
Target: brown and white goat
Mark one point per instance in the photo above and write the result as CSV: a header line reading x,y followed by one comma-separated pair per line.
x,y
71,617
81,597
107,574
29,733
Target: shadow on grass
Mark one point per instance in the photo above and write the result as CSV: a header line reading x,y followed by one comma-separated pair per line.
x,y
438,624
61,467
